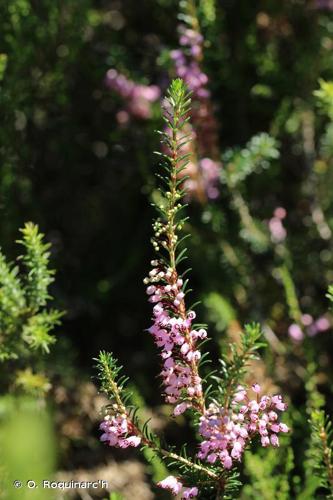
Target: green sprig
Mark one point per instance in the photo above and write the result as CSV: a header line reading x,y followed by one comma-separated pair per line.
x,y
320,450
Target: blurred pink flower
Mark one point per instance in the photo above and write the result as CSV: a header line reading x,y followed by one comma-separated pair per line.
x,y
295,332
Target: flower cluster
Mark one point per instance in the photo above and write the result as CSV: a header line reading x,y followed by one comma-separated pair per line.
x,y
173,334
139,98
118,431
172,484
227,432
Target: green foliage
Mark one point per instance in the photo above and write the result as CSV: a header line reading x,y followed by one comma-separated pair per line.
x,y
36,261
325,97
257,155
113,384
220,311
235,361
207,8
26,324
329,294
326,143
269,472
116,496
252,231
157,467
290,293
319,454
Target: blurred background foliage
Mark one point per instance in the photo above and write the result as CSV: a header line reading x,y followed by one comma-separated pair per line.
x,y
72,162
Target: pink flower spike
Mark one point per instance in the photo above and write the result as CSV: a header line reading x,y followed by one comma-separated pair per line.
x,y
256,388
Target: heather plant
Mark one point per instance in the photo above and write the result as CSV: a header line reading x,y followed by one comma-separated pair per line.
x,y
228,415
261,244
26,321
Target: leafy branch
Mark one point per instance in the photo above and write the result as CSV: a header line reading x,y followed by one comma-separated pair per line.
x,y
320,451
26,323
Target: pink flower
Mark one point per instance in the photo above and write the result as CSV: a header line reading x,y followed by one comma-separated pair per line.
x,y
172,484
118,431
211,458
278,232
295,332
280,213
179,409
190,492
274,440
321,325
134,441
240,394
307,319
227,462
284,427
265,441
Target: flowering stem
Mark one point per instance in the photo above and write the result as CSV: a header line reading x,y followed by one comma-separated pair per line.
x,y
176,164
